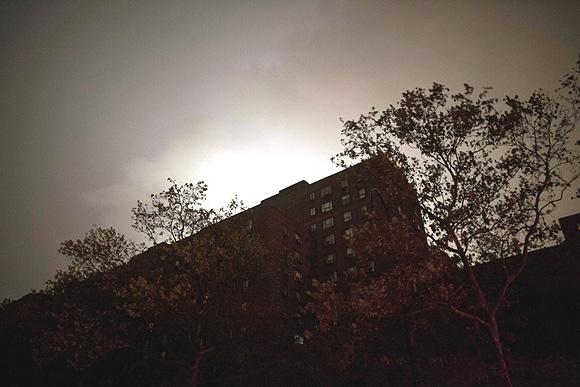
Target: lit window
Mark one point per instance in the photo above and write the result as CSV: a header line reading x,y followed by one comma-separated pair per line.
x,y
312,195
325,207
348,233
345,199
297,276
312,211
350,252
329,240
327,223
362,193
249,224
299,340
347,216
344,184
313,227
330,259
325,191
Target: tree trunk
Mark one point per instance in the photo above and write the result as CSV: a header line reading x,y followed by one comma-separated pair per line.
x,y
503,368
198,354
195,369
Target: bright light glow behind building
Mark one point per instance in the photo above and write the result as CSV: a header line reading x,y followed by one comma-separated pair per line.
x,y
259,172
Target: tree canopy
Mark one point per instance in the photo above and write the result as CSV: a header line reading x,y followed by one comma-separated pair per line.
x,y
487,174
100,250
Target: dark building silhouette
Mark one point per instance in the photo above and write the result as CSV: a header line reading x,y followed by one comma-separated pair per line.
x,y
306,229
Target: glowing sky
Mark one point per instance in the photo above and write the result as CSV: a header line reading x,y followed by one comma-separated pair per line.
x,y
102,101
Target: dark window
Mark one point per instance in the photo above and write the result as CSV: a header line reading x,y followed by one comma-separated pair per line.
x,y
325,191
327,223
329,240
347,216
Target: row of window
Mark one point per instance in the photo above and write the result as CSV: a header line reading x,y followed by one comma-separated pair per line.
x,y
297,237
327,190
327,206
330,239
331,258
329,222
351,272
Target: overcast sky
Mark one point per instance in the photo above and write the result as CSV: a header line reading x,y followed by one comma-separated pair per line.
x,y
102,101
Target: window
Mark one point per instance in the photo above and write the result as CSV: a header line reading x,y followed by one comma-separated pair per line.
x,y
371,266
298,297
313,227
297,276
345,199
325,191
362,193
312,195
330,259
350,252
245,284
351,272
344,184
312,211
325,207
347,216
333,277
364,210
295,256
348,233
244,306
286,230
327,223
249,224
299,340
329,240
297,239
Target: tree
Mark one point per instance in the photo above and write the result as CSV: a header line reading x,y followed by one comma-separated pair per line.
x,y
193,296
84,325
181,300
178,212
392,312
101,250
487,175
